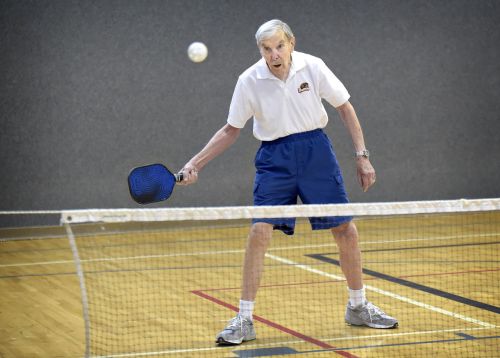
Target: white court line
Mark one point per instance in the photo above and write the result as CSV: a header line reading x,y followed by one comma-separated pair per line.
x,y
125,258
41,263
285,248
390,335
384,292
274,344
145,354
433,239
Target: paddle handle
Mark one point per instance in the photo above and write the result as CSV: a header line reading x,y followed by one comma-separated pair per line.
x,y
179,176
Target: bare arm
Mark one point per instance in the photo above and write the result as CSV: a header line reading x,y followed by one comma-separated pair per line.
x,y
365,172
221,140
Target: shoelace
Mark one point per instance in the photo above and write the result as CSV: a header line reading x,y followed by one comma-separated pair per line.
x,y
374,311
235,323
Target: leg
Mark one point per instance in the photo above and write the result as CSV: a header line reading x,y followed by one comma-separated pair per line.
x,y
346,236
253,266
367,314
240,328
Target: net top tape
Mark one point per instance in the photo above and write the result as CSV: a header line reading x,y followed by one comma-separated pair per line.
x,y
248,212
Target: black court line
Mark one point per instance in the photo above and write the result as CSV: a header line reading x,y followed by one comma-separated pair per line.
x,y
414,285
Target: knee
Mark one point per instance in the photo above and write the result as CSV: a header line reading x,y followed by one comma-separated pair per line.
x,y
260,234
345,233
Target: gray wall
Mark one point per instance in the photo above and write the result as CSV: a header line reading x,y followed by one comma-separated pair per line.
x,y
90,89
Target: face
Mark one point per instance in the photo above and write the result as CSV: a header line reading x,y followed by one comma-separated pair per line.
x,y
277,50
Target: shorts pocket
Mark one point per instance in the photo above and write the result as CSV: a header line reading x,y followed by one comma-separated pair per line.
x,y
263,157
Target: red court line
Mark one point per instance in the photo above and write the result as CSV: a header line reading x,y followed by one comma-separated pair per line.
x,y
277,326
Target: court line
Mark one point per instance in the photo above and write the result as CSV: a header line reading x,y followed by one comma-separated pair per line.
x,y
384,292
462,339
414,333
390,335
296,235
231,288
366,279
253,345
124,258
146,354
277,326
449,273
414,285
433,246
375,336
222,252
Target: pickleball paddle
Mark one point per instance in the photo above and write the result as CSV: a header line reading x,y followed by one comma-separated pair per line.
x,y
152,183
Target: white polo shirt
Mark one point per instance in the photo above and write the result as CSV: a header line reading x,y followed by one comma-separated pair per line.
x,y
282,108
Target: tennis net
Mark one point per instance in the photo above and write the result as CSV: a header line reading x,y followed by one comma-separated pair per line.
x,y
164,282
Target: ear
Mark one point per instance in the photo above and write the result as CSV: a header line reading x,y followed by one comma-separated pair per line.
x,y
292,42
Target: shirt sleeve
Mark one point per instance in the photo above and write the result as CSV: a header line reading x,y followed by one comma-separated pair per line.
x,y
331,89
240,109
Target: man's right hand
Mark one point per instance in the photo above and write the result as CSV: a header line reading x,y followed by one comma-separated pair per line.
x,y
189,174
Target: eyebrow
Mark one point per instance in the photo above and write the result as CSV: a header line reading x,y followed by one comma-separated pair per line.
x,y
279,43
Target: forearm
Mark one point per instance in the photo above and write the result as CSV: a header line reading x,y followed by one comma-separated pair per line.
x,y
351,122
365,172
221,140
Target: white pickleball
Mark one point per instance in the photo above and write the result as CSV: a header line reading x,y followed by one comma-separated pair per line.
x,y
197,52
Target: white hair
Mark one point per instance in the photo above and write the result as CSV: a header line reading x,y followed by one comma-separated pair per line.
x,y
270,28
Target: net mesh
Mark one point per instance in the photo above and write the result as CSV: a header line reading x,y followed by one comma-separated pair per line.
x,y
164,282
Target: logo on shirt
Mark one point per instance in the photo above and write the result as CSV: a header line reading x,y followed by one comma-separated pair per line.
x,y
304,86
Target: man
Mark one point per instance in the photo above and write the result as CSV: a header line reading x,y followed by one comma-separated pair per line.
x,y
283,92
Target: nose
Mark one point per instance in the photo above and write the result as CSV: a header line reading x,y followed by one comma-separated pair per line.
x,y
275,55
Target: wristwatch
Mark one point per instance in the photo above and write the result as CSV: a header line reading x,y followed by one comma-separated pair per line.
x,y
362,153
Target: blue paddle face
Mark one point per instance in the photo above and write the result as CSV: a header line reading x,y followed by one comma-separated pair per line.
x,y
151,183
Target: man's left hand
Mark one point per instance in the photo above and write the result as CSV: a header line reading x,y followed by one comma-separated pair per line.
x,y
366,173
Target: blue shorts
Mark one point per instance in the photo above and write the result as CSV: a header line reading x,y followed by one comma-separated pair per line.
x,y
300,165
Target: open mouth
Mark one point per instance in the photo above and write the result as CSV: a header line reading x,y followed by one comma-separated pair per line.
x,y
277,66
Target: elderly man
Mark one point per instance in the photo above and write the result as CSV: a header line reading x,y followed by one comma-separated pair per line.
x,y
283,93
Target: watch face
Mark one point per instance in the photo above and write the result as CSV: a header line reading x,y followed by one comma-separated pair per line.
x,y
364,153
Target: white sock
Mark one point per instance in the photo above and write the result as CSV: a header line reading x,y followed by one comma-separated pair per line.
x,y
246,309
357,297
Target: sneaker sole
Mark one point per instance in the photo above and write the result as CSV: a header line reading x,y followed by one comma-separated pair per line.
x,y
372,325
222,342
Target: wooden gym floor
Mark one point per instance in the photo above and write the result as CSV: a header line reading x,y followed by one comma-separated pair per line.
x,y
166,290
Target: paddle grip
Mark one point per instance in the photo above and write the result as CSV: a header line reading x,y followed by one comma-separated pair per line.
x,y
179,176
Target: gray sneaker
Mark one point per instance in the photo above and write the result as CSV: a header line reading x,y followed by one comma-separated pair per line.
x,y
369,315
238,330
